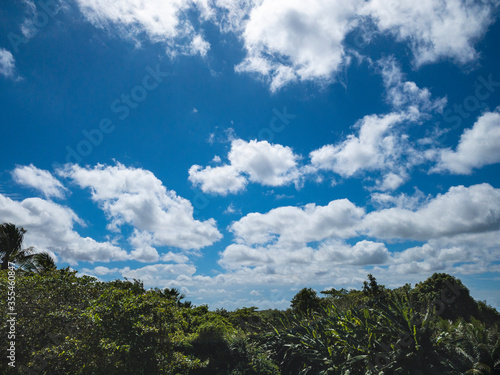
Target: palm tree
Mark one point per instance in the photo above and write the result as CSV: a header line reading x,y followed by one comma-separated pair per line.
x,y
40,263
11,241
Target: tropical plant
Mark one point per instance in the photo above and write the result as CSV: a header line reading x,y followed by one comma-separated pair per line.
x,y
40,263
474,345
306,301
11,246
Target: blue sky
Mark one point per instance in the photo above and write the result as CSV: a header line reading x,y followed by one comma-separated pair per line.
x,y
242,150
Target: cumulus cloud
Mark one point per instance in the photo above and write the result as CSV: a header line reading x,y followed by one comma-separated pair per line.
x,y
300,41
199,46
100,271
306,41
474,209
301,225
465,253
477,147
50,227
136,197
217,180
297,40
7,64
382,143
254,161
376,147
39,179
277,259
434,29
159,275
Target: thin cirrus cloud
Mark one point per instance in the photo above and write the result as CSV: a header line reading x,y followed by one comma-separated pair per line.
x,y
403,94
301,41
253,161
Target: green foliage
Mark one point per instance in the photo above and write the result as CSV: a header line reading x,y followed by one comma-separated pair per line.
x,y
306,301
11,246
441,291
68,324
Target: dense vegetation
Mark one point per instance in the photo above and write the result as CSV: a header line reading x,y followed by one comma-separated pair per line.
x,y
77,325
72,324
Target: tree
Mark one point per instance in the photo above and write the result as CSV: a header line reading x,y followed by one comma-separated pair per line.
x,y
447,294
40,263
175,295
372,289
305,301
11,243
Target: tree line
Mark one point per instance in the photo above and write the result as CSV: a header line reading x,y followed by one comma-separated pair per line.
x,y
74,324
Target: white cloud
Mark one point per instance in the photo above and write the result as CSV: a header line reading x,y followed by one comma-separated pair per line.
x,y
159,275
468,253
100,271
475,209
292,41
381,143
362,253
218,180
276,259
434,29
199,46
175,258
410,202
406,94
391,181
7,64
161,21
302,225
478,146
297,40
136,197
39,179
254,161
376,147
50,227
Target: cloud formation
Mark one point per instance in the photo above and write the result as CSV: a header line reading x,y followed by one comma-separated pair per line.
x,y
474,209
301,41
7,64
297,40
136,197
158,20
477,147
50,227
253,161
39,179
433,29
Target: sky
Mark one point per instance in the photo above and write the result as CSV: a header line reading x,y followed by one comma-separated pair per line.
x,y
240,150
